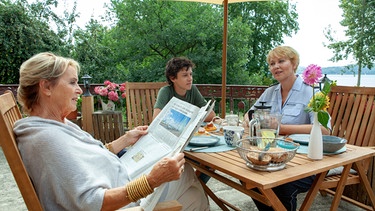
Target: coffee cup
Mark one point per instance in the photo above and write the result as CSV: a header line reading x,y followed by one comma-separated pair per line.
x,y
232,134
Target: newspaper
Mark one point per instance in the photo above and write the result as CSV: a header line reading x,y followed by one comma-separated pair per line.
x,y
167,135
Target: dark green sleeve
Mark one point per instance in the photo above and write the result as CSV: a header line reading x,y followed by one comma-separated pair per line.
x,y
164,95
198,98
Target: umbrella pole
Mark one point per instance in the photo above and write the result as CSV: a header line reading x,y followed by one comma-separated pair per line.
x,y
224,60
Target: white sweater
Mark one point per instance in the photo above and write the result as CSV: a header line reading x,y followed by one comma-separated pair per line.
x,y
69,168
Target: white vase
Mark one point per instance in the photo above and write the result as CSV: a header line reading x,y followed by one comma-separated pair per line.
x,y
109,106
315,149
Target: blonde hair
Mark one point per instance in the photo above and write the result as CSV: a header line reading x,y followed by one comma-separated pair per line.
x,y
284,51
41,66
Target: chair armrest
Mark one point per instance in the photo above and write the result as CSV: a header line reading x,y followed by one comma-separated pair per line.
x,y
161,206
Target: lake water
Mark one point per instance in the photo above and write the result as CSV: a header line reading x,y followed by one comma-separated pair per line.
x,y
350,80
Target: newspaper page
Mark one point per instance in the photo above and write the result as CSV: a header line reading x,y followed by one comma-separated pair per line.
x,y
167,134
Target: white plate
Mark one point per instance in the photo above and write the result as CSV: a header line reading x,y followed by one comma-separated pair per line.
x,y
204,141
300,138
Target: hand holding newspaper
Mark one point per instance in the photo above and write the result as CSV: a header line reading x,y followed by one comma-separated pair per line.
x,y
168,134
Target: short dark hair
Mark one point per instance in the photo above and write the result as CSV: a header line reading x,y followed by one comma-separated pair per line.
x,y
175,65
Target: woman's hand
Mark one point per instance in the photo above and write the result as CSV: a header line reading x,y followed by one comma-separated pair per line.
x,y
132,136
166,170
129,138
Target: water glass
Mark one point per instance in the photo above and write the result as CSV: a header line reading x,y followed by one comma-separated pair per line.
x,y
231,119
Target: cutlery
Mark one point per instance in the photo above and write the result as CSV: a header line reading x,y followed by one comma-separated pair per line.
x,y
205,147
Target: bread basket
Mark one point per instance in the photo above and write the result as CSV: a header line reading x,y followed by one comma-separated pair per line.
x,y
252,150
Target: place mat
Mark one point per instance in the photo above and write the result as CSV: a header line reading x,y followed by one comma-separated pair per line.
x,y
216,148
303,149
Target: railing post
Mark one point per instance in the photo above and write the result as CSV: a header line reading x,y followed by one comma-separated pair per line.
x,y
87,111
87,106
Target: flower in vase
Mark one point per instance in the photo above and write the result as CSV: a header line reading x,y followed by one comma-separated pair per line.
x,y
111,91
320,101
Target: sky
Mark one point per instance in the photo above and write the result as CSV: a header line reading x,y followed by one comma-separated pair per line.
x,y
314,17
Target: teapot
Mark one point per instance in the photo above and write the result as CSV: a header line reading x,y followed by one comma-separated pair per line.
x,y
260,110
264,124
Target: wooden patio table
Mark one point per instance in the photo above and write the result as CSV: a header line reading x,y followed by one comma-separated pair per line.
x,y
229,168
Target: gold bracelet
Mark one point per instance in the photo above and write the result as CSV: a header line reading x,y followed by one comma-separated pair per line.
x,y
139,188
109,147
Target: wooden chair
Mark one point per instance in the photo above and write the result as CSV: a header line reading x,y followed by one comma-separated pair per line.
x,y
140,100
108,126
10,113
352,111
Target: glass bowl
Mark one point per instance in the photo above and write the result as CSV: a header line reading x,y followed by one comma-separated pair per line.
x,y
252,150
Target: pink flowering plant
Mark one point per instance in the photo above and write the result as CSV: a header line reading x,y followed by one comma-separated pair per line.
x,y
320,101
111,91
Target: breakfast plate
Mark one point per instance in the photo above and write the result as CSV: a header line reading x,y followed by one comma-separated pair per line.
x,y
204,141
300,138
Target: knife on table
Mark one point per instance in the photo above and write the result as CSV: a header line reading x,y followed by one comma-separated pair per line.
x,y
205,147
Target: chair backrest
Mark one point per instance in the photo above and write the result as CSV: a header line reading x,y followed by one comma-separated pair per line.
x,y
352,111
10,113
108,126
140,100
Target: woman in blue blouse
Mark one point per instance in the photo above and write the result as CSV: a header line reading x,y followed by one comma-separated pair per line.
x,y
289,97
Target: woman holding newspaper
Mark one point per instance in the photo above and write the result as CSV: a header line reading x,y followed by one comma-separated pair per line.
x,y
69,168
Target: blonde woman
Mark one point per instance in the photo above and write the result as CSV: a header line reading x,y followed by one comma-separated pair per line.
x,y
69,168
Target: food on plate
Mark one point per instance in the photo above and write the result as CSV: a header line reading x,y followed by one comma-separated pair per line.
x,y
201,131
210,127
254,158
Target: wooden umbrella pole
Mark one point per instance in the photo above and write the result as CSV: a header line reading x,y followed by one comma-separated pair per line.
x,y
224,61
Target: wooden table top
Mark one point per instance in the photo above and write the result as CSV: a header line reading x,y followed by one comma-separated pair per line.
x,y
299,167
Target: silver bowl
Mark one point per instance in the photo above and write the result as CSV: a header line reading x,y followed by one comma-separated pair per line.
x,y
333,143
274,159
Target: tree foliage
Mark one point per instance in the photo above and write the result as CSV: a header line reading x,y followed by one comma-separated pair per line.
x,y
21,36
94,50
359,18
152,32
269,22
145,34
26,29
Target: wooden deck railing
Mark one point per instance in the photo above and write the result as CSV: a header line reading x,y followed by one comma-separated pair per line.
x,y
239,97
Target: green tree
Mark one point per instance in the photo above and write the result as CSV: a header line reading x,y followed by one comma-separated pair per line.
x,y
25,30
359,18
269,22
21,36
149,33
94,51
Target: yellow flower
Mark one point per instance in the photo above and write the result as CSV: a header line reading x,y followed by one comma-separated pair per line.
x,y
327,104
